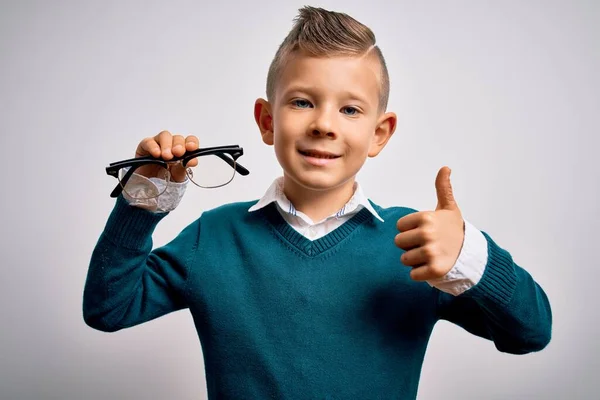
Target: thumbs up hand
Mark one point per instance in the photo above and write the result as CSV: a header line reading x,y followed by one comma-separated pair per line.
x,y
432,239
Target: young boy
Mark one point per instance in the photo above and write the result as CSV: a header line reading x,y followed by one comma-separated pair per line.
x,y
286,307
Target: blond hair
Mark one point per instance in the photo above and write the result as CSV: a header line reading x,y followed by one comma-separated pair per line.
x,y
322,33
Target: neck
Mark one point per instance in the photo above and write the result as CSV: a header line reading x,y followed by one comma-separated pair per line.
x,y
318,204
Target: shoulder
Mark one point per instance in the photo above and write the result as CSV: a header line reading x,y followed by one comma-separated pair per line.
x,y
226,211
235,208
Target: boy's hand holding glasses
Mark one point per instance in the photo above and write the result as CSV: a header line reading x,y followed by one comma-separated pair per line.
x,y
167,158
166,146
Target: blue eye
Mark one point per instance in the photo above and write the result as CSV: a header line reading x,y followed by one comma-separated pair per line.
x,y
353,111
301,103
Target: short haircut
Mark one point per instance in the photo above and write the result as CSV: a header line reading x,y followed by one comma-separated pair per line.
x,y
322,33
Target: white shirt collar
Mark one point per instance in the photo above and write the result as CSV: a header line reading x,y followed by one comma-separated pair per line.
x,y
275,194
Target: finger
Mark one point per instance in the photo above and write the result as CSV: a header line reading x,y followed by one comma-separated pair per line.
x,y
191,143
177,173
177,170
443,188
165,141
147,147
178,145
422,273
414,220
193,162
410,239
418,256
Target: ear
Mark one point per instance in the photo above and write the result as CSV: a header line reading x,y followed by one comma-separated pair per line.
x,y
264,120
383,132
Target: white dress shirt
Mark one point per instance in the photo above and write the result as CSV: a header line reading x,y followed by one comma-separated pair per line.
x,y
465,273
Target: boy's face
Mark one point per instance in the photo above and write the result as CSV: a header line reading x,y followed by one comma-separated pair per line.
x,y
324,120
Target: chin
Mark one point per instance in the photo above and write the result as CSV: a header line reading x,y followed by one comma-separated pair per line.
x,y
318,183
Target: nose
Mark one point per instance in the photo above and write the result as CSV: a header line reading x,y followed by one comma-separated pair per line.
x,y
323,125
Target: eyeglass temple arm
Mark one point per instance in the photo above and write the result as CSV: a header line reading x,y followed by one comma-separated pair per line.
x,y
119,188
233,164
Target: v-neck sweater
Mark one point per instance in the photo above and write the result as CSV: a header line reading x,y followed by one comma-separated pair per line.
x,y
280,316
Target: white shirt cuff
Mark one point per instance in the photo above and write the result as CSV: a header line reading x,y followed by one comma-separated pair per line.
x,y
167,201
469,266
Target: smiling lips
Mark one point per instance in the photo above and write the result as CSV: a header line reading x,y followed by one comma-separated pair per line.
x,y
318,154
318,157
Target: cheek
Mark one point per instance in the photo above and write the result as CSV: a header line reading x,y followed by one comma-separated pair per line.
x,y
283,142
361,138
286,130
282,139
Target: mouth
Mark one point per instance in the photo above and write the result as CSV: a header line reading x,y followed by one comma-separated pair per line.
x,y
318,154
318,158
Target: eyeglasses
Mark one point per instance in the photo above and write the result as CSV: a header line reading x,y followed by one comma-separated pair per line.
x,y
216,167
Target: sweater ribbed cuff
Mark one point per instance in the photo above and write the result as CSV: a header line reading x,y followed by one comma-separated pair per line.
x,y
131,226
499,280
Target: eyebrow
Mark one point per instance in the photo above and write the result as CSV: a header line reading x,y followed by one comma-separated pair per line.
x,y
311,89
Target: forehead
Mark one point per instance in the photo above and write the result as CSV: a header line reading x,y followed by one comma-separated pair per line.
x,y
357,74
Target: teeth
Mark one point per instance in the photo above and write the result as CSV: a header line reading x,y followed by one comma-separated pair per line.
x,y
310,154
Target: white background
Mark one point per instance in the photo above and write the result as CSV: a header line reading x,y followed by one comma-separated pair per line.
x,y
505,93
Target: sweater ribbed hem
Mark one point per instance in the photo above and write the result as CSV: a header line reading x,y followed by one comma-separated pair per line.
x,y
499,280
131,226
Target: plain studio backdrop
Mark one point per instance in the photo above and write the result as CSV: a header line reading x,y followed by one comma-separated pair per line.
x,y
505,93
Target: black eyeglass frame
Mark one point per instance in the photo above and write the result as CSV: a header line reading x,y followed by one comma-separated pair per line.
x,y
234,151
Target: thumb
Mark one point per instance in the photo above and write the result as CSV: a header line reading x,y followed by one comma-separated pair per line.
x,y
178,173
443,187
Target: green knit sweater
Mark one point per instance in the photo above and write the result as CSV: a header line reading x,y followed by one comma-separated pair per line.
x,y
279,316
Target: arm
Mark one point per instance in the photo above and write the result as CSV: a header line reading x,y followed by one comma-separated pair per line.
x,y
128,283
506,306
